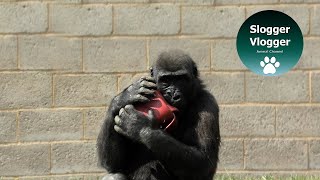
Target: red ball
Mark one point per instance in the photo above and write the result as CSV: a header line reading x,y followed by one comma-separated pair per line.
x,y
164,113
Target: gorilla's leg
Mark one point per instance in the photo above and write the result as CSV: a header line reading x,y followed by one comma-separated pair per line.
x,y
116,176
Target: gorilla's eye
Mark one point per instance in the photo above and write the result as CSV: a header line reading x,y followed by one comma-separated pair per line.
x,y
184,78
173,78
165,80
163,85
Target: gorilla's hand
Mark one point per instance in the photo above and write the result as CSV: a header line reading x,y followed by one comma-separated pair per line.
x,y
139,91
132,123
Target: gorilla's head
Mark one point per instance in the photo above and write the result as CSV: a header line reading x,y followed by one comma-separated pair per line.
x,y
176,76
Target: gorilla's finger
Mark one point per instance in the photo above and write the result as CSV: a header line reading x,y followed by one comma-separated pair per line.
x,y
118,129
146,91
151,115
148,84
152,118
149,78
140,98
117,120
123,113
129,108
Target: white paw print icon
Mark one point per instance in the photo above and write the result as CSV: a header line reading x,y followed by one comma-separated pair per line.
x,y
269,65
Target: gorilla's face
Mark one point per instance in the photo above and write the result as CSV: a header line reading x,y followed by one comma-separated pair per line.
x,y
176,76
175,88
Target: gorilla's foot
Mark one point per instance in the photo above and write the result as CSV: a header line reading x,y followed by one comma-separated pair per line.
x,y
116,176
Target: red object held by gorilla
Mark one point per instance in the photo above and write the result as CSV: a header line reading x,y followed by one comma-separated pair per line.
x,y
164,113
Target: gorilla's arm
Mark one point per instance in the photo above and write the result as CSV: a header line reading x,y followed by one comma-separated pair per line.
x,y
112,145
184,160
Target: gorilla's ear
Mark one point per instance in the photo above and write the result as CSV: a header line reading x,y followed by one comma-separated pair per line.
x,y
151,71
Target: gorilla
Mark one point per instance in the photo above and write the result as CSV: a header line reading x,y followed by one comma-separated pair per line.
x,y
131,147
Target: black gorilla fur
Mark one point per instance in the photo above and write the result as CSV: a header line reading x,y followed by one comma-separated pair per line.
x,y
129,145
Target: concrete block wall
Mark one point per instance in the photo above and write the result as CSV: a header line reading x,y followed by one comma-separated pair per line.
x,y
61,62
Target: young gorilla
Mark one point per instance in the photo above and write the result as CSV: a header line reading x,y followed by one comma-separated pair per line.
x,y
129,145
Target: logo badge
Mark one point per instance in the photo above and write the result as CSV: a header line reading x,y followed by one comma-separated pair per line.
x,y
269,43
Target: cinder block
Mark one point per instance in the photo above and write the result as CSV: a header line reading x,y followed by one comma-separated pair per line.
x,y
292,1
224,56
94,177
94,118
314,154
50,125
299,1
266,174
199,50
315,21
247,121
242,2
212,21
8,125
315,87
310,55
195,2
299,13
24,160
24,17
81,19
65,1
200,2
115,1
8,178
147,19
50,52
74,158
298,121
290,87
192,2
231,155
276,154
25,90
226,87
125,80
8,52
58,177
114,55
84,90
